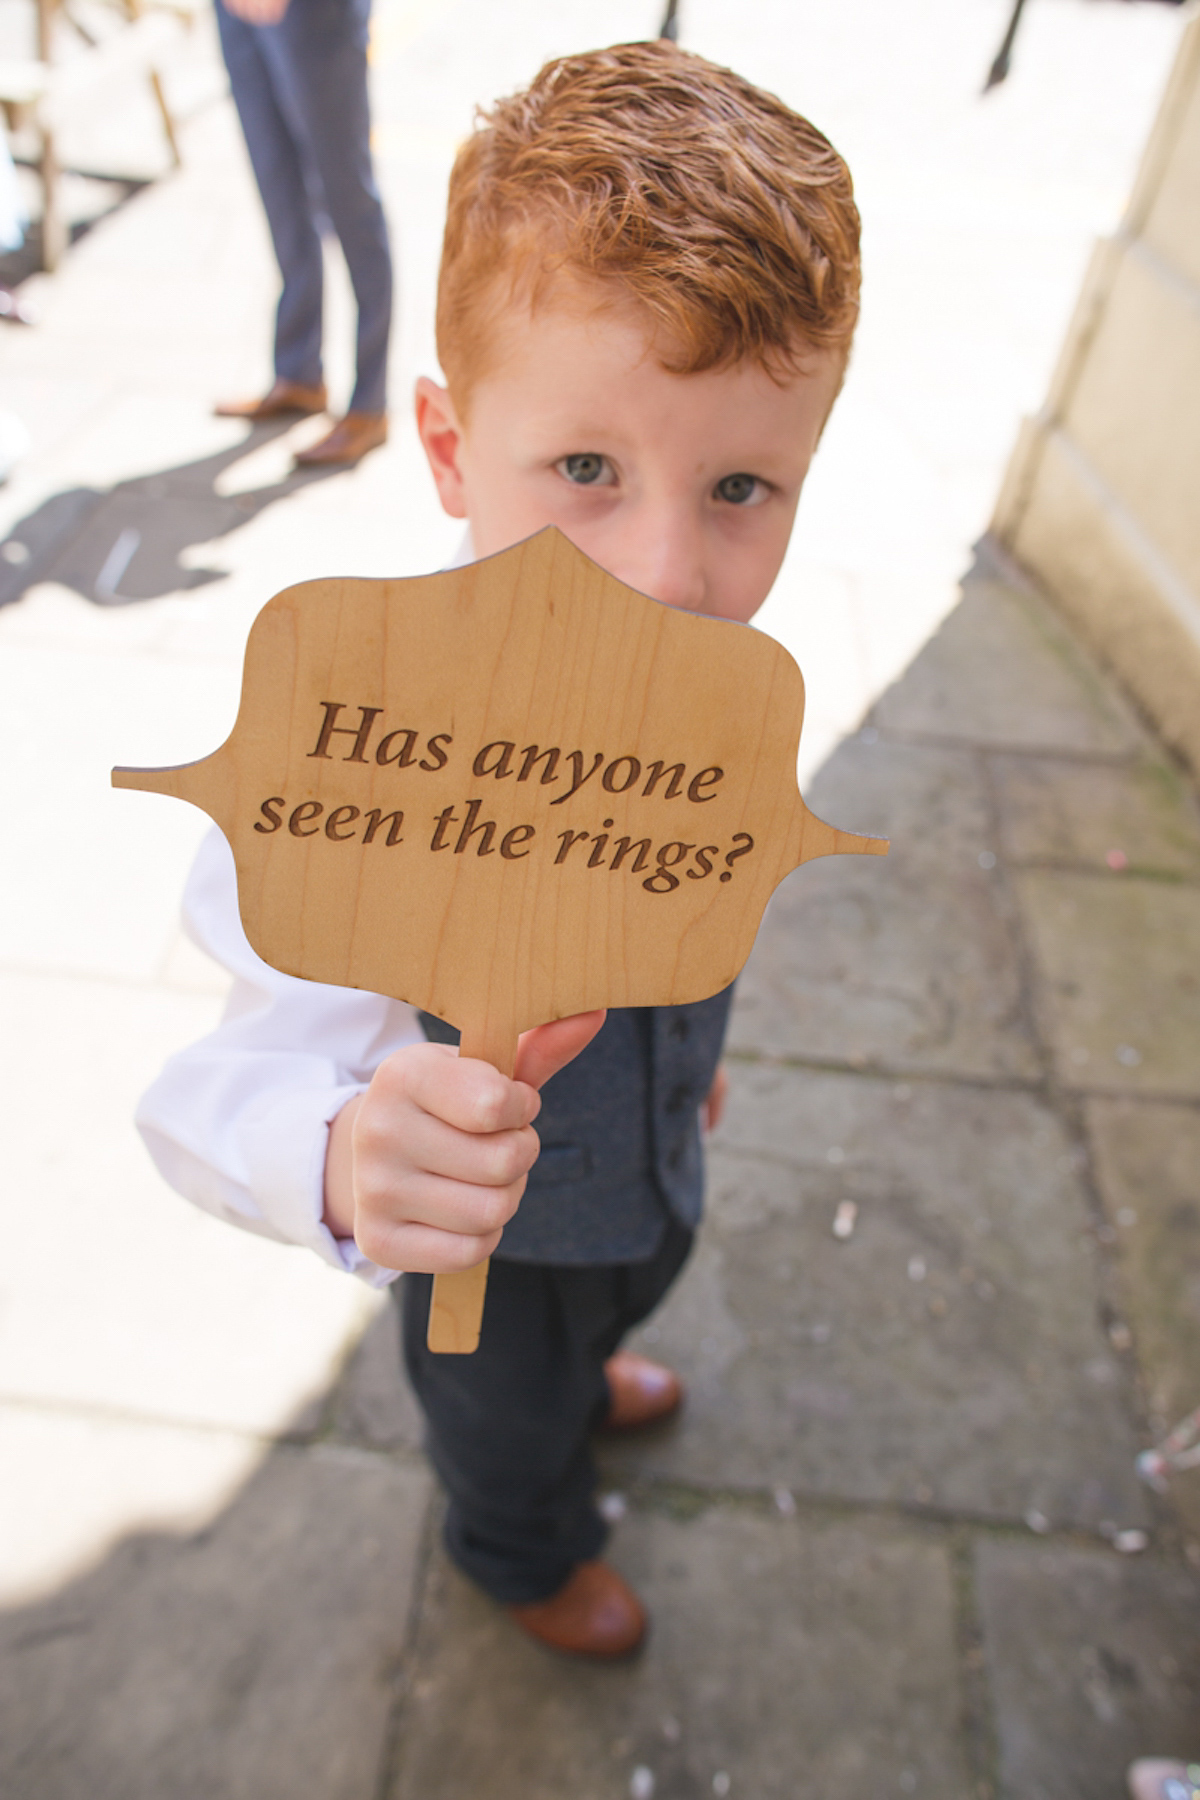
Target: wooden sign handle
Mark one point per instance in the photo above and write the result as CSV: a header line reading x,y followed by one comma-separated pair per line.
x,y
456,1309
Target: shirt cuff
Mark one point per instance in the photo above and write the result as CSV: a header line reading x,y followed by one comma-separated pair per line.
x,y
285,1145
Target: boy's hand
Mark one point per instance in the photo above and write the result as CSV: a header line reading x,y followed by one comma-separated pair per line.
x,y
426,1168
713,1110
257,12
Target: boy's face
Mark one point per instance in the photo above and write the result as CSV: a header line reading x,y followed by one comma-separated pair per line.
x,y
683,486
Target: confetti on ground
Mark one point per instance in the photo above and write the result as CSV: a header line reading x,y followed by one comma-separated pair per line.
x,y
1180,1449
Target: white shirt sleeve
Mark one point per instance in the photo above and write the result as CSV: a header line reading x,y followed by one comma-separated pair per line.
x,y
239,1123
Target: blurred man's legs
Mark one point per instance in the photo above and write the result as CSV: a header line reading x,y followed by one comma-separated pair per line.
x,y
277,158
319,57
301,92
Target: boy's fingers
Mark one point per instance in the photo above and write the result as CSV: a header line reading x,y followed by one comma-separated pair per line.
x,y
483,1158
422,1249
466,1093
459,1208
714,1107
548,1048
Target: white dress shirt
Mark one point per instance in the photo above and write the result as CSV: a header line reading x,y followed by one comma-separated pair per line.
x,y
239,1122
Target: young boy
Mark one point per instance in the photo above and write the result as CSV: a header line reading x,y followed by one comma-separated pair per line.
x,y
648,290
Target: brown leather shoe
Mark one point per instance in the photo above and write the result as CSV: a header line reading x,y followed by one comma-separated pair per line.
x,y
594,1614
348,442
640,1392
285,398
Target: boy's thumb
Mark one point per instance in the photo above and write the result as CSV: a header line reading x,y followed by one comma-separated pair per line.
x,y
546,1049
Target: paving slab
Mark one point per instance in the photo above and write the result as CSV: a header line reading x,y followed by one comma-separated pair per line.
x,y
131,546
140,1476
1119,960
803,1655
948,1354
146,431
800,1659
1147,1162
252,1659
33,535
53,410
101,877
909,962
1143,815
167,482
1093,1659
1004,671
114,1292
374,1404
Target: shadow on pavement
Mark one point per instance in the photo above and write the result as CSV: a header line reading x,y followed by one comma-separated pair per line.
x,y
120,545
887,1532
251,1657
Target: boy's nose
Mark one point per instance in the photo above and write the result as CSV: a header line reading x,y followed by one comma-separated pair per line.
x,y
668,564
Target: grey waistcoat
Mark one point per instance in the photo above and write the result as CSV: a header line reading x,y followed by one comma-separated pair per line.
x,y
620,1137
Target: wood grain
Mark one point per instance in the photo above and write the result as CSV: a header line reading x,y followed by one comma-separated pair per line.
x,y
456,1309
507,793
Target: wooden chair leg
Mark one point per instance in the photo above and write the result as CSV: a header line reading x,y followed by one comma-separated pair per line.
x,y
167,121
54,227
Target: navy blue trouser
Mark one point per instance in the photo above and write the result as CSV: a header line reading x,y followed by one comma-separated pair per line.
x,y
508,1428
300,88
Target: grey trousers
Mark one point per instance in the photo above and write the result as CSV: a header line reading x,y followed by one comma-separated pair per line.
x,y
300,88
507,1429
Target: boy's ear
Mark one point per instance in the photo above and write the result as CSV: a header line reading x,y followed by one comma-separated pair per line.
x,y
442,436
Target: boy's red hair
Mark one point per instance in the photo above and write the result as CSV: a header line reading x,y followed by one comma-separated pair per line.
x,y
725,216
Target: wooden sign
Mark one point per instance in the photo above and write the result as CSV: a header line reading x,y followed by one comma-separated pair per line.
x,y
507,793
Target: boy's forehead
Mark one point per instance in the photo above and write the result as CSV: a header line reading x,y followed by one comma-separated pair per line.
x,y
560,350
569,311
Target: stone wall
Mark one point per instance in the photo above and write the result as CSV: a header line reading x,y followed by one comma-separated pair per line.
x,y
1101,501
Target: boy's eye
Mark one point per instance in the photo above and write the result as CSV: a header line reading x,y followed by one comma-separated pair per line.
x,y
741,490
587,469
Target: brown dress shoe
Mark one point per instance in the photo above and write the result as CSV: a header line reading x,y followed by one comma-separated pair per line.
x,y
285,398
640,1392
348,442
594,1614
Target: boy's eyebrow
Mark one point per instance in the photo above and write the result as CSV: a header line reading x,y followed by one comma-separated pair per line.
x,y
570,435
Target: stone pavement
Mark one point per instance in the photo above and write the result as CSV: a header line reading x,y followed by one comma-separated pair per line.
x,y
880,1543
